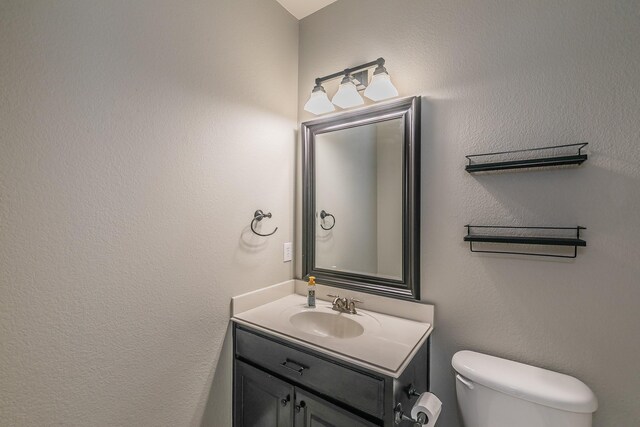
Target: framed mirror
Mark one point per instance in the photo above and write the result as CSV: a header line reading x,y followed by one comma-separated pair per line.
x,y
361,199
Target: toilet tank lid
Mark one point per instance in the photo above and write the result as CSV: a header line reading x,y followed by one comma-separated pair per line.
x,y
527,382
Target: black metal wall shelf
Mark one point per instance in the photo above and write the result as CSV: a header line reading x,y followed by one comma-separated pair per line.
x,y
574,242
554,160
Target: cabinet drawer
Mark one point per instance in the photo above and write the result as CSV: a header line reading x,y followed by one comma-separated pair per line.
x,y
356,389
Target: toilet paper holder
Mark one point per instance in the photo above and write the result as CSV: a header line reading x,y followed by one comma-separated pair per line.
x,y
400,416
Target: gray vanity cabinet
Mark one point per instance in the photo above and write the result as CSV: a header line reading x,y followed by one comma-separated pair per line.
x,y
262,400
281,384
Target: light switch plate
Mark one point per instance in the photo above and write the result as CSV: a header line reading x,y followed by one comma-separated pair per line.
x,y
287,253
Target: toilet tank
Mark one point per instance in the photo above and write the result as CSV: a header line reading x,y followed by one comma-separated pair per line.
x,y
494,392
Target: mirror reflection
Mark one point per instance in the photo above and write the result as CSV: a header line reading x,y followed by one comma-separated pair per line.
x,y
359,189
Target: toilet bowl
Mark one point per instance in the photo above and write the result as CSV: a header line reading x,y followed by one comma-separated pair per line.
x,y
494,392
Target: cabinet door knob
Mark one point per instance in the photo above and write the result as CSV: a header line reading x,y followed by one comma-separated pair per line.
x,y
300,406
284,402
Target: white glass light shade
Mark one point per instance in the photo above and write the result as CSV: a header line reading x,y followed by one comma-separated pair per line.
x,y
380,88
319,103
347,95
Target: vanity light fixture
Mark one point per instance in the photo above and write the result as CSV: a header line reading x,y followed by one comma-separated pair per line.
x,y
353,80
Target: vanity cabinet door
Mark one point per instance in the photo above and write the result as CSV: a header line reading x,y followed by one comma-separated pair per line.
x,y
261,400
311,411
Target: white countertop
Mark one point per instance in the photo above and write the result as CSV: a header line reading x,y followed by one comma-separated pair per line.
x,y
387,344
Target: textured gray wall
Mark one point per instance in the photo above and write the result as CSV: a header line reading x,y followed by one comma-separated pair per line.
x,y
506,75
136,140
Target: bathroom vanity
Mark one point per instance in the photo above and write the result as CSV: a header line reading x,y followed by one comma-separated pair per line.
x,y
300,366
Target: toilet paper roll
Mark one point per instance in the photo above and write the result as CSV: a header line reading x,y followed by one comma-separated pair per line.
x,y
430,405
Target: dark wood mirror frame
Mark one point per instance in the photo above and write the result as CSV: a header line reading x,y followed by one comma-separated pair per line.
x,y
409,286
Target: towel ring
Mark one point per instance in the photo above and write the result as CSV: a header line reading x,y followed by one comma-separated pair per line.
x,y
257,217
323,215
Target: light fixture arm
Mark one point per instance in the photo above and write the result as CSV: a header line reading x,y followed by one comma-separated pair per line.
x,y
348,71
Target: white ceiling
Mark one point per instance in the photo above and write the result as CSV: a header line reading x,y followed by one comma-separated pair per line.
x,y
302,8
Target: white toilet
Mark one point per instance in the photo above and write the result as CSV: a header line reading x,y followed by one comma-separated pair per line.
x,y
494,392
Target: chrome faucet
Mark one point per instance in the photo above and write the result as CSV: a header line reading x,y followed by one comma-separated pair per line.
x,y
344,305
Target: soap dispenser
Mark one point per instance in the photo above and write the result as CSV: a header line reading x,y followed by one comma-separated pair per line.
x,y
311,292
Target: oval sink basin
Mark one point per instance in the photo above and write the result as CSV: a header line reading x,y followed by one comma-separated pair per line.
x,y
326,324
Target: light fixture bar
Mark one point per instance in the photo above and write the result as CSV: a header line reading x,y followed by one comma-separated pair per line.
x,y
348,71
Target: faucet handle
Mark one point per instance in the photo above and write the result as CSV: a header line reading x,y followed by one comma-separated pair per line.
x,y
351,305
336,300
